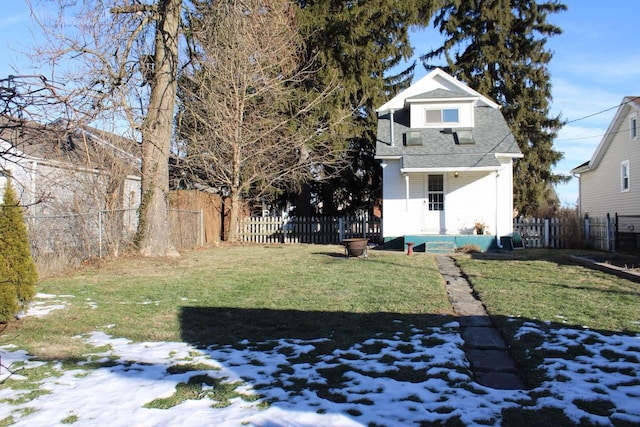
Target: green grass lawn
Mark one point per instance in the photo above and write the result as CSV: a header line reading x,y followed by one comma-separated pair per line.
x,y
250,297
222,295
544,287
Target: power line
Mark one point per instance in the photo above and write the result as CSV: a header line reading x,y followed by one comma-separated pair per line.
x,y
635,98
592,136
603,111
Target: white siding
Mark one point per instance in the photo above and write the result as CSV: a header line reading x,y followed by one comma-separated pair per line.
x,y
600,188
393,194
470,197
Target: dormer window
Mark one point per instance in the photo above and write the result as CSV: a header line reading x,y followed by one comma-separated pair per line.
x,y
443,116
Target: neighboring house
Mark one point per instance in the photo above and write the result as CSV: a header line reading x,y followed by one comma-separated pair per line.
x,y
610,181
447,162
58,171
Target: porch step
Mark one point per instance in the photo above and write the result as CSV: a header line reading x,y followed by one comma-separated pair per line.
x,y
440,247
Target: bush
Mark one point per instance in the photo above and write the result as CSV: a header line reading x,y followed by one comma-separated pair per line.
x,y
469,249
18,274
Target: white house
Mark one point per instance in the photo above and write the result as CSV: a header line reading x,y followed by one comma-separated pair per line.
x,y
610,181
447,162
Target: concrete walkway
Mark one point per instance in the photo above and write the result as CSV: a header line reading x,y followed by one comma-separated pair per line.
x,y
487,352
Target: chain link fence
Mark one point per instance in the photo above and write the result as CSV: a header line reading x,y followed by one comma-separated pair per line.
x,y
63,242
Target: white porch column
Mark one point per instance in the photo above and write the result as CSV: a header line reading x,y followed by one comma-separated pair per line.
x,y
393,144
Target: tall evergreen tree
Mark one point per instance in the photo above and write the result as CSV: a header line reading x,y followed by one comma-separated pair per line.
x,y
17,270
361,41
498,48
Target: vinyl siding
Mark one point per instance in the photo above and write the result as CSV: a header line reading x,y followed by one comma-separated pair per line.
x,y
600,188
470,197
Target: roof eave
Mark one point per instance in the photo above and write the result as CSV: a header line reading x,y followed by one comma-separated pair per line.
x,y
451,169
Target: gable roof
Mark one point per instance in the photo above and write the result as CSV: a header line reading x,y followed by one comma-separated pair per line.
x,y
628,103
443,84
439,150
55,142
440,147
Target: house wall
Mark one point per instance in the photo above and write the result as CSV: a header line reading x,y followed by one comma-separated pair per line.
x,y
52,188
470,197
600,188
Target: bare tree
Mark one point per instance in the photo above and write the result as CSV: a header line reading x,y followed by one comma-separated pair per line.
x,y
120,61
248,125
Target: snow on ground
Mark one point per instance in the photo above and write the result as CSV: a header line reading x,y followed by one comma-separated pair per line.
x,y
413,378
43,304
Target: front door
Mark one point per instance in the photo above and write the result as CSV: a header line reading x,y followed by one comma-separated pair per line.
x,y
433,209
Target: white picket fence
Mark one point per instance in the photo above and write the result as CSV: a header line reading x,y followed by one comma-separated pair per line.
x,y
540,232
596,233
313,229
599,233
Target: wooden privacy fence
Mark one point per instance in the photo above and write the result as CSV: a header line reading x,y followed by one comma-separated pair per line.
x,y
209,204
314,229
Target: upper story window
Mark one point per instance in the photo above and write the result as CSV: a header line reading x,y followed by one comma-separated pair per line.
x,y
633,127
624,176
447,115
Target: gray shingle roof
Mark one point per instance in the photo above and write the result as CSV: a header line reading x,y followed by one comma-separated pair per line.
x,y
439,150
441,94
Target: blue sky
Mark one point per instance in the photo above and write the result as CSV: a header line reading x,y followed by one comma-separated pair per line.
x,y
596,63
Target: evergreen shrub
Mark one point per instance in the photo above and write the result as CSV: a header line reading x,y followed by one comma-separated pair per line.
x,y
18,274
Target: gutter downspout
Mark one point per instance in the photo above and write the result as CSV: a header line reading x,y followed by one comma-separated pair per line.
x,y
393,144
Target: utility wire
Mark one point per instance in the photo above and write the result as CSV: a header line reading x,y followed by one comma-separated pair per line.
x,y
635,98
603,111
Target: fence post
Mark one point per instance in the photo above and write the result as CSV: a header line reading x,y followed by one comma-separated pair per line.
x,y
364,226
614,240
100,234
608,232
546,232
341,228
587,230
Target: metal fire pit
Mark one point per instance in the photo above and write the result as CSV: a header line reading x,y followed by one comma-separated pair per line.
x,y
356,247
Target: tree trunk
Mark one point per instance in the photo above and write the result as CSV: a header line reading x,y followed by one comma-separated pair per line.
x,y
234,215
154,237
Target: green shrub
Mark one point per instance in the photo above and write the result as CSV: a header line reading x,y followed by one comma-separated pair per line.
x,y
18,274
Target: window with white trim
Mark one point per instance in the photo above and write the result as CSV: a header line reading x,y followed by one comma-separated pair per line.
x,y
443,116
633,127
624,175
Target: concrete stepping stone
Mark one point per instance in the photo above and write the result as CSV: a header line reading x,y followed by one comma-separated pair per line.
x,y
484,347
484,338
